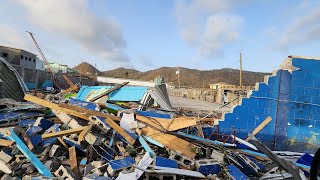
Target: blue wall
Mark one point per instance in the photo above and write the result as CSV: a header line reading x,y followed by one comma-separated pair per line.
x,y
293,102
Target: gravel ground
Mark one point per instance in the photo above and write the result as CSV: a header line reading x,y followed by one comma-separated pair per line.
x,y
195,105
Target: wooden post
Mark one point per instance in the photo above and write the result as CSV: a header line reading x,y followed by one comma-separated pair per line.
x,y
73,162
260,127
64,133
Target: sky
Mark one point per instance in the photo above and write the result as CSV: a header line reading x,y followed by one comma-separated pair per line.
x,y
148,34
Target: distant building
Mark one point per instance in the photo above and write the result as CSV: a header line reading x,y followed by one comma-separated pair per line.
x,y
34,72
221,85
40,64
23,61
56,67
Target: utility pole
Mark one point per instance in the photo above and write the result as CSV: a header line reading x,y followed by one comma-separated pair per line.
x,y
178,73
240,69
95,66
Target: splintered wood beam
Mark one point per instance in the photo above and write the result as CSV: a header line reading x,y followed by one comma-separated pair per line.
x,y
63,133
68,81
61,140
84,133
73,162
72,87
260,127
6,143
108,91
167,124
54,106
89,112
26,138
119,129
171,142
75,113
109,120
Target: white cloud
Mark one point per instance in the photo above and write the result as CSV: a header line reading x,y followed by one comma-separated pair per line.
x,y
73,19
303,28
207,25
12,38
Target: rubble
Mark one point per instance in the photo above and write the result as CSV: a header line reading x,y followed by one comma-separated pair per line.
x,y
121,132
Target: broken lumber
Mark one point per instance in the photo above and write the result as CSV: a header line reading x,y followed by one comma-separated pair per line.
x,y
73,162
172,142
109,120
6,143
26,138
26,151
63,133
89,112
84,133
61,140
54,106
72,87
260,127
108,91
166,124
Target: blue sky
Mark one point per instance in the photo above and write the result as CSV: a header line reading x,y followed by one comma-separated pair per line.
x,y
148,34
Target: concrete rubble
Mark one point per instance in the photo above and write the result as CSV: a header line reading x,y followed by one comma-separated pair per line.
x,y
131,132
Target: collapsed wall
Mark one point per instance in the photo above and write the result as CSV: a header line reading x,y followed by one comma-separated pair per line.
x,y
291,96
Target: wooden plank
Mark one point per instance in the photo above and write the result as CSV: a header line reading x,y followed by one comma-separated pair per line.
x,y
108,91
122,132
29,155
89,112
63,133
172,142
166,124
109,120
84,133
260,127
73,162
61,140
26,138
72,87
6,143
54,106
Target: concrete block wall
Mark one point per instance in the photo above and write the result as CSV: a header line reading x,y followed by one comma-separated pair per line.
x,y
292,99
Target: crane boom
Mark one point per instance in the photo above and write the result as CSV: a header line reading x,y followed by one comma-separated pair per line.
x,y
44,58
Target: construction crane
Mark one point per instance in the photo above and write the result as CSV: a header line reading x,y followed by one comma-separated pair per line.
x,y
45,60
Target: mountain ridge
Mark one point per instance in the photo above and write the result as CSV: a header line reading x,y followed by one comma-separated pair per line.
x,y
188,77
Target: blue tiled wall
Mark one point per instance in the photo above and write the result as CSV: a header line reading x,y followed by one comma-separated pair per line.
x,y
293,102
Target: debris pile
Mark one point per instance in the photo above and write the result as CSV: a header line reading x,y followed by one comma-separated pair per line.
x,y
125,132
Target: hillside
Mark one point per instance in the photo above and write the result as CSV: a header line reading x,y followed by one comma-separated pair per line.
x,y
87,69
123,73
188,77
198,78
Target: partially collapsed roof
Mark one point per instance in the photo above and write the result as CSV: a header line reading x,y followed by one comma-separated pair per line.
x,y
12,84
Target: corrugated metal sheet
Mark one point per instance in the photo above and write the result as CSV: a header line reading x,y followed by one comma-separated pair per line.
x,y
12,84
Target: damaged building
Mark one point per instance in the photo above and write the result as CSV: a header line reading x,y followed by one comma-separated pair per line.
x,y
11,84
121,131
291,97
